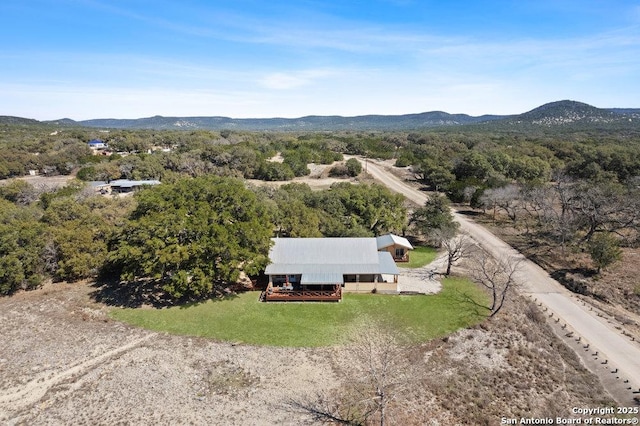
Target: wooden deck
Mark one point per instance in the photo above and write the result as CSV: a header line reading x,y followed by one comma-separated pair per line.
x,y
277,294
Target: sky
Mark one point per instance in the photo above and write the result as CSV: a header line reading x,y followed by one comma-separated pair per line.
x,y
84,59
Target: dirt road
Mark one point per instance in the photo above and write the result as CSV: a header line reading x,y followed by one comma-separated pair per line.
x,y
601,338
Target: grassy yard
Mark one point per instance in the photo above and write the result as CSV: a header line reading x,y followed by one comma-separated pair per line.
x,y
244,319
419,257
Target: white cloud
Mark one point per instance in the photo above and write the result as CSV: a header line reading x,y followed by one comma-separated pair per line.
x,y
293,80
283,81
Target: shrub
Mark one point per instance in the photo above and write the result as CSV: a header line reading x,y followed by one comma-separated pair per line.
x,y
86,173
339,170
604,250
354,168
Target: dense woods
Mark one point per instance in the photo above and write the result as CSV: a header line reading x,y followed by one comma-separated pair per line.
x,y
203,225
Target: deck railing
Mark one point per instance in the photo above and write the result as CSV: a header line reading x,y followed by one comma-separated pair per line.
x,y
277,294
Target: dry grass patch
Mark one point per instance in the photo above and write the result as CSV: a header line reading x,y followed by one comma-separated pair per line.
x,y
512,366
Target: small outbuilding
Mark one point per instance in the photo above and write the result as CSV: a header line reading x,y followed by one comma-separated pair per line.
x,y
398,247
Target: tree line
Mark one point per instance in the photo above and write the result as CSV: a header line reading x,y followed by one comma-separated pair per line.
x,y
460,163
578,189
189,237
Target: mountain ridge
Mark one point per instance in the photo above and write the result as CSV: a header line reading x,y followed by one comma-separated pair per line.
x,y
565,114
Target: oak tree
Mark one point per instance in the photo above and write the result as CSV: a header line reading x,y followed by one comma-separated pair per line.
x,y
193,235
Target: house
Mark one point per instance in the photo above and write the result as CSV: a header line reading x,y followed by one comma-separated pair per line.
x,y
97,144
120,186
100,186
320,269
398,246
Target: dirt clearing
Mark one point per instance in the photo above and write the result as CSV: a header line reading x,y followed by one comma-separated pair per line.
x,y
64,361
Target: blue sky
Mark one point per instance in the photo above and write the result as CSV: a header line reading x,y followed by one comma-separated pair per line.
x,y
247,58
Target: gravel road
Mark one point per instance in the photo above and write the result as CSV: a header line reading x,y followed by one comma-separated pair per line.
x,y
604,340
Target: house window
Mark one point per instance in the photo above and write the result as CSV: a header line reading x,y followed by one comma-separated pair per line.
x,y
399,252
278,280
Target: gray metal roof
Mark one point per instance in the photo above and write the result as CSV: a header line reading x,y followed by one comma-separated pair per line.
x,y
324,251
337,256
391,239
126,183
387,264
324,278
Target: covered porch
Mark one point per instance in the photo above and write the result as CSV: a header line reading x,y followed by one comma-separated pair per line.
x,y
307,287
321,269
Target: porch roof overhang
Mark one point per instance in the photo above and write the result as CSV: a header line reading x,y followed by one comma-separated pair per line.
x,y
386,264
321,278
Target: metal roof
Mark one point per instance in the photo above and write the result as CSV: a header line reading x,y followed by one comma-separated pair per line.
x,y
324,278
387,264
324,251
391,239
337,256
126,183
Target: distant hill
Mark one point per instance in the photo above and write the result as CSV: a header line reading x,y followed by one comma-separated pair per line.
x,y
561,115
314,123
7,119
571,115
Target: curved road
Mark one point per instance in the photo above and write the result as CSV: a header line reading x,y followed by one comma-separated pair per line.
x,y
619,350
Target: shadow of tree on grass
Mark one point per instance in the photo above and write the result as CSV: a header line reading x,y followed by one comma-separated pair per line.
x,y
147,292
131,294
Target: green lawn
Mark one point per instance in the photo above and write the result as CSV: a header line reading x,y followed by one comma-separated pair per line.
x,y
244,319
419,257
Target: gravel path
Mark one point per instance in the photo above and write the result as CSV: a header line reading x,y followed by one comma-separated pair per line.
x,y
424,280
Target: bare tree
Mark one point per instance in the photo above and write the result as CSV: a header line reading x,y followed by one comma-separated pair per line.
x,y
535,202
506,198
496,275
606,208
328,408
457,246
553,207
378,373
